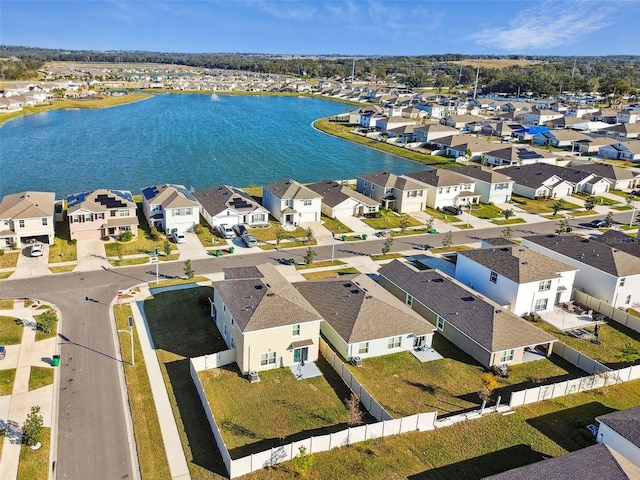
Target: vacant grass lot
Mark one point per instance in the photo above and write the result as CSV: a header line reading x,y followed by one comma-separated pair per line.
x,y
312,405
40,377
268,232
541,206
11,330
63,249
486,212
511,221
335,226
330,273
389,219
613,337
404,386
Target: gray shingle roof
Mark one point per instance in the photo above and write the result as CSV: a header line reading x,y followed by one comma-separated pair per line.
x,y
360,310
595,254
265,302
385,179
619,240
517,263
494,328
333,193
485,174
597,462
217,199
27,205
607,171
533,175
624,422
291,189
438,178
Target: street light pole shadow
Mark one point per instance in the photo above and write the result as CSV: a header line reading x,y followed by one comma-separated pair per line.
x,y
67,341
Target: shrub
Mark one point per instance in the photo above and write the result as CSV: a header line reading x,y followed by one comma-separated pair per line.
x,y
197,229
153,233
47,321
126,236
1,251
105,238
32,428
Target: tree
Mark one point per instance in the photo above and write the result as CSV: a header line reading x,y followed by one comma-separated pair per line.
x,y
608,220
309,256
563,227
126,236
484,159
153,233
166,248
557,206
386,246
489,384
589,202
507,232
188,269
355,414
32,428
309,235
280,234
429,223
302,462
508,213
404,223
468,153
447,240
47,321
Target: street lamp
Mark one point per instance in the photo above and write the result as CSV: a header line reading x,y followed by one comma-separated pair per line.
x,y
130,332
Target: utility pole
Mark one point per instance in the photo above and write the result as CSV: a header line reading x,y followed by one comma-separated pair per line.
x,y
475,88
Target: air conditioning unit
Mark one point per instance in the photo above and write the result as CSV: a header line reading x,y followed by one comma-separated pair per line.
x,y
356,361
253,376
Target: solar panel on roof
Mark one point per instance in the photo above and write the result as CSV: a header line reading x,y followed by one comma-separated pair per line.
x,y
109,202
185,192
150,192
75,199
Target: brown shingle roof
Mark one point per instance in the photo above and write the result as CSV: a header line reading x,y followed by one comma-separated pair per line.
x,y
27,205
291,189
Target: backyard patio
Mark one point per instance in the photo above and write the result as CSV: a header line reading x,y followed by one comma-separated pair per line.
x,y
569,318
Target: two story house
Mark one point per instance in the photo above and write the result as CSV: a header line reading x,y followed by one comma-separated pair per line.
x,y
101,213
26,216
170,207
398,193
292,203
492,185
445,188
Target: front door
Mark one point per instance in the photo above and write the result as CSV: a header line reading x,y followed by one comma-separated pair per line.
x,y
300,354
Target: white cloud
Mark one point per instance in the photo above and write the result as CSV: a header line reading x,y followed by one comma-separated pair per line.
x,y
547,24
291,10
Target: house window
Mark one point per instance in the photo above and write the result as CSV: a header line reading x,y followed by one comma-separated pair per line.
x,y
363,348
366,184
440,323
373,187
627,300
507,356
113,213
622,280
124,213
544,285
440,190
306,203
21,223
409,300
268,359
259,217
44,222
394,342
493,277
188,211
87,217
296,330
448,190
541,304
372,209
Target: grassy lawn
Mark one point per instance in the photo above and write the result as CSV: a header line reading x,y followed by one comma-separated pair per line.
x,y
11,330
63,249
445,217
404,386
255,192
207,237
486,212
144,244
614,337
387,256
330,273
7,378
622,208
511,221
181,327
6,304
541,206
598,199
62,269
294,406
268,233
9,259
34,464
40,377
335,226
40,335
389,219
325,263
153,461
454,248
344,131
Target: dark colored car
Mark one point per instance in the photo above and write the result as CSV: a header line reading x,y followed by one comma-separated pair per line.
x,y
451,210
635,193
240,230
597,224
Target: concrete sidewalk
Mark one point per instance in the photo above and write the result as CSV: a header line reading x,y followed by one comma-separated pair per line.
x,y
15,407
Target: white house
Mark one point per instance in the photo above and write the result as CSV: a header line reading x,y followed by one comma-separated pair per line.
x,y
25,216
290,202
400,194
169,207
629,151
520,279
445,188
230,205
540,117
518,155
492,185
604,272
339,201
621,431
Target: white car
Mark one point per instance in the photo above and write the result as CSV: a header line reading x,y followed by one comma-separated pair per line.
x,y
37,250
178,237
226,231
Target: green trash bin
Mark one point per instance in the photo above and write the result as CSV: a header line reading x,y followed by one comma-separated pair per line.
x,y
364,236
344,238
232,249
56,360
218,253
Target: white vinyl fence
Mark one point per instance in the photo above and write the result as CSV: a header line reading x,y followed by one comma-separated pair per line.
x,y
615,314
579,359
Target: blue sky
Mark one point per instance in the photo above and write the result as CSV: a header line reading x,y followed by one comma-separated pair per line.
x,y
347,27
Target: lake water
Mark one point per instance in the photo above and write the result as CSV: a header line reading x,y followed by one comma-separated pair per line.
x,y
185,139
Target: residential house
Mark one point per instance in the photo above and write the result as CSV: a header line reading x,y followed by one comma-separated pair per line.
x,y
493,186
606,115
101,213
564,138
230,205
620,240
628,151
621,431
628,116
483,329
591,463
518,155
460,121
605,272
400,194
445,188
369,120
516,277
390,123
429,133
622,130
26,216
591,145
362,319
541,116
461,145
339,201
504,130
292,203
170,207
434,109
260,314
620,178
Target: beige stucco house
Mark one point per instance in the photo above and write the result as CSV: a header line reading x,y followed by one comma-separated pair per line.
x,y
101,213
27,216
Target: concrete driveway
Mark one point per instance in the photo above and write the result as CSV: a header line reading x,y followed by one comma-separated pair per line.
x,y
29,266
91,256
192,248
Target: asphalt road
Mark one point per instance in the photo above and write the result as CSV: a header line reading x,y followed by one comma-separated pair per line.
x,y
93,438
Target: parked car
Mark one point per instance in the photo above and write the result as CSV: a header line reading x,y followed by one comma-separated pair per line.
x,y
240,230
249,240
3,352
597,223
178,237
451,210
635,193
36,249
226,231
